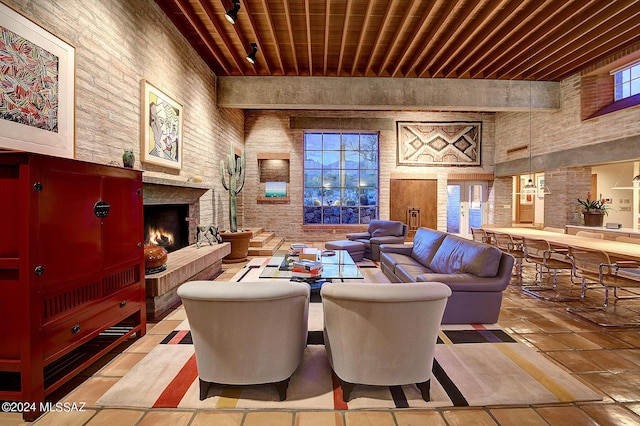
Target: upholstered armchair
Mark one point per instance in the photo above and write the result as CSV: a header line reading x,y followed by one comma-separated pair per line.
x,y
246,332
380,232
382,334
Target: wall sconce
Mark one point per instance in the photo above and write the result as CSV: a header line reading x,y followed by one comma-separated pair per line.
x,y
251,57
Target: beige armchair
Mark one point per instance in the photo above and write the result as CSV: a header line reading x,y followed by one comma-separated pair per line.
x,y
382,334
246,332
380,232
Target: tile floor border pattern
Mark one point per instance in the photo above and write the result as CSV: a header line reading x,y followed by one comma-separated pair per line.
x,y
608,359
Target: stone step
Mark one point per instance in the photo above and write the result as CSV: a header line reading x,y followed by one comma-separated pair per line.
x,y
269,249
262,239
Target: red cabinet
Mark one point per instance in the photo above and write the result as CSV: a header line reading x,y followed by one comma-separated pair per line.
x,y
71,269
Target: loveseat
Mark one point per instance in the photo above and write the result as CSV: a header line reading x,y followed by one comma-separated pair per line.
x,y
380,232
477,273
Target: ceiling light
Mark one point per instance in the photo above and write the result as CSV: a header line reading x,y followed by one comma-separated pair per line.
x,y
232,14
636,178
251,57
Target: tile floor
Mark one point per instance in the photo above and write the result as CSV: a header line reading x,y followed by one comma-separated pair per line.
x,y
606,358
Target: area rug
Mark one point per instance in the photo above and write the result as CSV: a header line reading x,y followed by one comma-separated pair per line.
x,y
475,365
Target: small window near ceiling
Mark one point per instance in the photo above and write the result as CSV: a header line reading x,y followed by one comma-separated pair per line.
x,y
627,82
340,178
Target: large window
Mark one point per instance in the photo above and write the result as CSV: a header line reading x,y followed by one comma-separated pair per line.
x,y
627,82
340,178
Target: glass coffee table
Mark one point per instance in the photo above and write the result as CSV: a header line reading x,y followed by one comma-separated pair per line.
x,y
339,266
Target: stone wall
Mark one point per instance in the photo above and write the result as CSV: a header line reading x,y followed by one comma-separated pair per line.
x,y
118,44
270,131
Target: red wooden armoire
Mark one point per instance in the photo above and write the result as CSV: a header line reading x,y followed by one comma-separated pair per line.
x,y
71,269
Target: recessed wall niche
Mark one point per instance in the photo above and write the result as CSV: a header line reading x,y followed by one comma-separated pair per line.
x,y
273,167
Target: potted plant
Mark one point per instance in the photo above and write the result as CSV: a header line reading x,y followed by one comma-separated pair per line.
x,y
593,210
239,239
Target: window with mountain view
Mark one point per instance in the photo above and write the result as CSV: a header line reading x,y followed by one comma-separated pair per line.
x,y
340,178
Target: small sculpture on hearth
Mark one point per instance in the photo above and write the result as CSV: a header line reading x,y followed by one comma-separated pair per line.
x,y
206,231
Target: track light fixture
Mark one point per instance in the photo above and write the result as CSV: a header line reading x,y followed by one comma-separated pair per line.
x,y
232,14
251,57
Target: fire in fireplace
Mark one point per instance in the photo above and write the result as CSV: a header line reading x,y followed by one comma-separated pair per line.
x,y
166,225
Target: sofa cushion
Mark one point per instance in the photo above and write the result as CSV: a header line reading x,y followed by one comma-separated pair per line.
x,y
458,255
408,273
465,282
425,244
385,228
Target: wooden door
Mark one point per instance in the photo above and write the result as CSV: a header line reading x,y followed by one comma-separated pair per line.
x,y
414,202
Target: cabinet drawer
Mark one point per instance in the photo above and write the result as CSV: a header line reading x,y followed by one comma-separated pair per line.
x,y
68,334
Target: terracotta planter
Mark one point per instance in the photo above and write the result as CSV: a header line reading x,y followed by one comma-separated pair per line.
x,y
593,218
239,245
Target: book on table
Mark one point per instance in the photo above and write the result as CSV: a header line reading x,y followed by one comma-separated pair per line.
x,y
303,273
306,265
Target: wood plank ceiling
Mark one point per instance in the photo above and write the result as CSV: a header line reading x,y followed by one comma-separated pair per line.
x,y
478,39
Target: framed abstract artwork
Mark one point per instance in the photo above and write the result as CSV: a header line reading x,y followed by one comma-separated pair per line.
x,y
161,128
439,144
37,88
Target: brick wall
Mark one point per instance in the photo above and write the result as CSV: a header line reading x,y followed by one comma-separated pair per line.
x,y
119,43
269,131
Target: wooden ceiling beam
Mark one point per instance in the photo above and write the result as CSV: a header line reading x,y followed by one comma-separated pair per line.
x,y
400,32
363,30
431,36
292,42
506,31
413,41
203,34
272,33
214,20
257,38
556,46
376,43
597,49
327,20
343,39
307,18
481,24
536,28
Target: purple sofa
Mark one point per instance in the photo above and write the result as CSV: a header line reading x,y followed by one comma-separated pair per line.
x,y
380,232
477,273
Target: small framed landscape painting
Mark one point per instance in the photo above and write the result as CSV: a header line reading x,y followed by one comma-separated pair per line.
x,y
161,128
275,189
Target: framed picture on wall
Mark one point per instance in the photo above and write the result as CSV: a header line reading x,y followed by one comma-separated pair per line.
x,y
161,128
37,88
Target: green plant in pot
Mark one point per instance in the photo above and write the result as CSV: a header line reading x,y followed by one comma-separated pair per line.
x,y
593,210
232,173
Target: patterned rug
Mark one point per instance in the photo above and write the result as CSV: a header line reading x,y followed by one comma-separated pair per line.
x,y
475,365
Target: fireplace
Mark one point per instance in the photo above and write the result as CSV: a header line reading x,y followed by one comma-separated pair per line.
x,y
166,225
167,205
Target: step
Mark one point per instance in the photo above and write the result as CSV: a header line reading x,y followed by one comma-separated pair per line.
x,y
269,249
261,240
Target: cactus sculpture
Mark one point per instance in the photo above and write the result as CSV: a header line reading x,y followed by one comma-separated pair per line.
x,y
235,170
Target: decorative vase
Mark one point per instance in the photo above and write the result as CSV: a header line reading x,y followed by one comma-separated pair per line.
x,y
155,259
593,217
239,245
128,158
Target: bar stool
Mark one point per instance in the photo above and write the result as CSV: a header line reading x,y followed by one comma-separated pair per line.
x,y
506,243
546,259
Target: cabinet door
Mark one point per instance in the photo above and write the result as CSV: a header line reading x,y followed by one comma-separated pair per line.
x,y
122,227
68,232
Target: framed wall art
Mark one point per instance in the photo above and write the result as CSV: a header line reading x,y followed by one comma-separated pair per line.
x,y
439,144
37,88
161,128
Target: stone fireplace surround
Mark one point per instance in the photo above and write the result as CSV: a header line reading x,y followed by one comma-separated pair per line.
x,y
186,264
